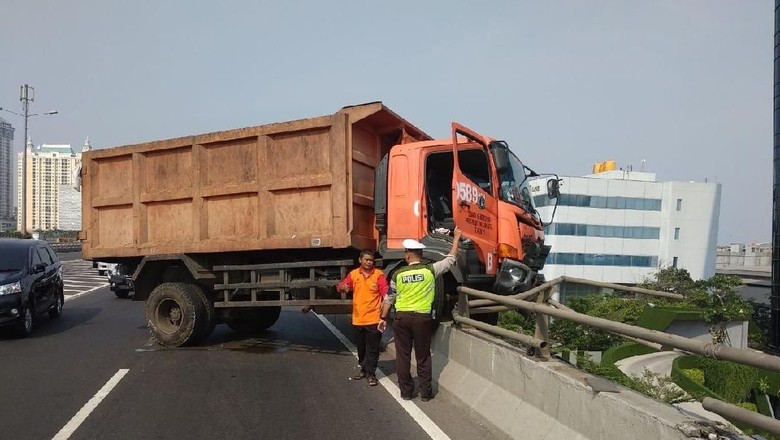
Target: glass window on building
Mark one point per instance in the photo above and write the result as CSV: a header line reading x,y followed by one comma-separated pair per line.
x,y
679,204
676,233
674,262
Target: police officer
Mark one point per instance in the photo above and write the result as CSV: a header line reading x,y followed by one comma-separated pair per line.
x,y
412,290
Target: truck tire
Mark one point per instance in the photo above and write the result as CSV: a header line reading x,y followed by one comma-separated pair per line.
x,y
439,310
175,314
209,320
250,321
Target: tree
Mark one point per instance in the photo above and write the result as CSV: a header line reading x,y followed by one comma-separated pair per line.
x,y
715,296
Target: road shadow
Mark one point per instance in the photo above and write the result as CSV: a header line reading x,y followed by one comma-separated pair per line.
x,y
44,326
293,332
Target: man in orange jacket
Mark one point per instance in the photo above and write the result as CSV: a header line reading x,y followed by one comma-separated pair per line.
x,y
369,287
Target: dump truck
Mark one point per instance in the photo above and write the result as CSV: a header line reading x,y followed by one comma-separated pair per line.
x,y
229,227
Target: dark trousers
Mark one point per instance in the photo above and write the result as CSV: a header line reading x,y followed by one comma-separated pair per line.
x,y
368,347
413,329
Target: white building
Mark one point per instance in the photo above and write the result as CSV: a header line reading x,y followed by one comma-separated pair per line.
x,y
622,226
49,168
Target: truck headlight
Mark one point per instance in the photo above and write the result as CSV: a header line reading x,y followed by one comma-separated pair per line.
x,y
7,289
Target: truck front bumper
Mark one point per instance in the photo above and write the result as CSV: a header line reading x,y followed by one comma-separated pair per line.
x,y
514,277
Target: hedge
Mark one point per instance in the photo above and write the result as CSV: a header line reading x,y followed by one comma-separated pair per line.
x,y
624,351
698,391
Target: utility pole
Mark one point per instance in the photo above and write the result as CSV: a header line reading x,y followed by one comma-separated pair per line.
x,y
774,317
26,94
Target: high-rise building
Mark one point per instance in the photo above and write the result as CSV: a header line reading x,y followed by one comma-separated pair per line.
x,y
49,168
6,195
622,226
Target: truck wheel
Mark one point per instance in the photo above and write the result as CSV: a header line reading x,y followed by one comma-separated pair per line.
x,y
175,314
209,319
440,312
254,320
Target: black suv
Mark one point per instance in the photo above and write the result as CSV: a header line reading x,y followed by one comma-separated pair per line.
x,y
30,283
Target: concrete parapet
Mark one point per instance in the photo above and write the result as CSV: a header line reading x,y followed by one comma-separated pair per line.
x,y
526,398
530,399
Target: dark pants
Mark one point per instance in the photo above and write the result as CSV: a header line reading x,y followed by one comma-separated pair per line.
x,y
413,329
368,348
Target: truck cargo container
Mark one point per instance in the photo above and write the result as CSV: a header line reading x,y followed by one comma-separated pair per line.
x,y
231,226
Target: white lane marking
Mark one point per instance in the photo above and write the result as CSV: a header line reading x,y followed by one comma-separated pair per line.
x,y
413,410
90,406
70,297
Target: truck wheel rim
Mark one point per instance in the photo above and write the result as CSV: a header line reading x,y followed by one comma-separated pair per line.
x,y
168,316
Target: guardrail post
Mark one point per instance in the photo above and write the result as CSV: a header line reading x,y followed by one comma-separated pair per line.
x,y
541,331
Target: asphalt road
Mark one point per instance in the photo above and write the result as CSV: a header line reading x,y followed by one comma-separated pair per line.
x,y
290,382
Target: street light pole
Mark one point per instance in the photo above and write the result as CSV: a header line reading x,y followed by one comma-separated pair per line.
x,y
25,96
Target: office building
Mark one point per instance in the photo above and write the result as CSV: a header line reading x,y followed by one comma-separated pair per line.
x,y
49,168
623,226
6,195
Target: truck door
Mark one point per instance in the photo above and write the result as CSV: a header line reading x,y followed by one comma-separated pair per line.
x,y
475,208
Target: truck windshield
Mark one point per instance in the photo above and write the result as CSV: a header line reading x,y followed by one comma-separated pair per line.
x,y
513,184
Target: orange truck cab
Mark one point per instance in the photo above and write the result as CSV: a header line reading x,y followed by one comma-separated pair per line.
x,y
425,189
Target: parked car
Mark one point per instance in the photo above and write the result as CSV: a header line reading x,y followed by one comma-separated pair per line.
x,y
121,283
30,284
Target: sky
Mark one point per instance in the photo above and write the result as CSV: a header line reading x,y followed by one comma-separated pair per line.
x,y
685,85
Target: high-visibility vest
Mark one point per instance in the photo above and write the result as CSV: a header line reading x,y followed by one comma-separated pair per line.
x,y
414,285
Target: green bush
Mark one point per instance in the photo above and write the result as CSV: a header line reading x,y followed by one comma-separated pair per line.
x,y
695,374
728,379
748,406
517,322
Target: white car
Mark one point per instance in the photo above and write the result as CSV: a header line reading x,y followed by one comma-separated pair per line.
x,y
102,268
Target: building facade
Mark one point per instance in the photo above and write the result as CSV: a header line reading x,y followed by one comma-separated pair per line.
x,y
49,169
622,226
6,169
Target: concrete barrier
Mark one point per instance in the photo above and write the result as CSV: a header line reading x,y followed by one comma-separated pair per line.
x,y
530,399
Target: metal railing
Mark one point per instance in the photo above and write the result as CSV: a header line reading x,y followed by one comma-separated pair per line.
x,y
539,301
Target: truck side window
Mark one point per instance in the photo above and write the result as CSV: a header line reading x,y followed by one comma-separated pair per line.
x,y
438,188
474,165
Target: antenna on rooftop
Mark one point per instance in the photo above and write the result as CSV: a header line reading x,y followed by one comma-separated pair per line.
x,y
642,167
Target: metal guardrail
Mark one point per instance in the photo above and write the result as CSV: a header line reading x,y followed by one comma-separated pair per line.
x,y
742,415
67,247
544,307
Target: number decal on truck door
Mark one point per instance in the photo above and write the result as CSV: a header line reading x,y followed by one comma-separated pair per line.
x,y
468,192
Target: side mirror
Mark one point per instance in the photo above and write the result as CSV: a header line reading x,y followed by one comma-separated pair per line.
x,y
553,188
38,268
501,158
